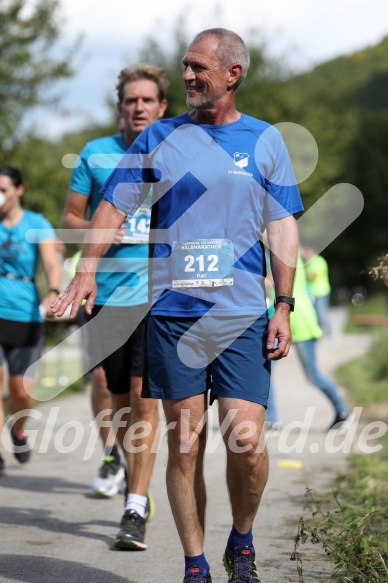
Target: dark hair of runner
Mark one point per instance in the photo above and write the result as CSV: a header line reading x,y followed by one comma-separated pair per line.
x,y
13,173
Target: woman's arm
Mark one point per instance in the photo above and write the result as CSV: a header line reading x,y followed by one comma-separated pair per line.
x,y
52,268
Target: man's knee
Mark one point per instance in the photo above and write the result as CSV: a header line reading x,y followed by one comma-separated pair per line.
x,y
251,458
245,441
185,448
146,409
99,385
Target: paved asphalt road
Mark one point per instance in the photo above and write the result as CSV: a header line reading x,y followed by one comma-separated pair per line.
x,y
53,531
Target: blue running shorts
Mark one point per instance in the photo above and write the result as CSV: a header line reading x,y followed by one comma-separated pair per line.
x,y
188,356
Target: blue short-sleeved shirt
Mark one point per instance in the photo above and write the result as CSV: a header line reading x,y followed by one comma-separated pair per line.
x,y
19,254
214,189
126,273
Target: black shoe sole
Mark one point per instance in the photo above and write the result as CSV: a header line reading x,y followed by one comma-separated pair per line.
x,y
129,545
22,456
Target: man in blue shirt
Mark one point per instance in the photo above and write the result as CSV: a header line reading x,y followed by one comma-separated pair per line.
x,y
219,178
122,294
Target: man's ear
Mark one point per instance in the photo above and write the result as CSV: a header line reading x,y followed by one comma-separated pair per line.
x,y
235,72
162,107
119,108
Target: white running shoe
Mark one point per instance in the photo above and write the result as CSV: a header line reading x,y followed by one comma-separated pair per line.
x,y
109,479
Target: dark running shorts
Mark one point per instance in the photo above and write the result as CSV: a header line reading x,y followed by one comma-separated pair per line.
x,y
226,355
112,344
20,358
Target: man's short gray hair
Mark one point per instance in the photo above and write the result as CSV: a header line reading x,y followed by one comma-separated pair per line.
x,y
231,49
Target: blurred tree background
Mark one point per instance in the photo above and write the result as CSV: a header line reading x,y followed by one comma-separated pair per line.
x,y
343,103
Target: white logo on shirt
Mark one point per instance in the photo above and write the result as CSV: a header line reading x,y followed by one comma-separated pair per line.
x,y
241,159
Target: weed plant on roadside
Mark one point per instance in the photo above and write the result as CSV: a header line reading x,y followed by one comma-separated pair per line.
x,y
352,537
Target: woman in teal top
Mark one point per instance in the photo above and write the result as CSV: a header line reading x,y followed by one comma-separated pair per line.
x,y
25,237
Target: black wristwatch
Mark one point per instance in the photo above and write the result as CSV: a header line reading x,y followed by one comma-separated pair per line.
x,y
285,300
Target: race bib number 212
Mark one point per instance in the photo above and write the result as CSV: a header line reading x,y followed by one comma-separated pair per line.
x,y
202,263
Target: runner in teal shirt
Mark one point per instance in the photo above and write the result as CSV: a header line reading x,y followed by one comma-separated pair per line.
x,y
25,238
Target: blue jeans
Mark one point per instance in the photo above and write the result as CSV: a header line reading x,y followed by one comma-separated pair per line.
x,y
307,355
321,305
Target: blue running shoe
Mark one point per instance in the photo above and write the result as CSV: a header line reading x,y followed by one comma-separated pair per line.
x,y
240,564
195,575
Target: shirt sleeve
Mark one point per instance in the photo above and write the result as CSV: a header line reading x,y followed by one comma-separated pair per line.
x,y
283,197
81,177
42,230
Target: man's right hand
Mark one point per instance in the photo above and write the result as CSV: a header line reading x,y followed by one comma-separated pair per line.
x,y
83,287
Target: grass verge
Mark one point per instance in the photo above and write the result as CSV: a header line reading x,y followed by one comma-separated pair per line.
x,y
366,378
375,305
351,524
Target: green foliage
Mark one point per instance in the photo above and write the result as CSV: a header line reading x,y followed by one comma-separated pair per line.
x,y
366,378
354,538
28,32
45,176
261,93
379,368
356,80
343,104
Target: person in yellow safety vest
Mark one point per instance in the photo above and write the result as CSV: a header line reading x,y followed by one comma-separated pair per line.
x,y
318,285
